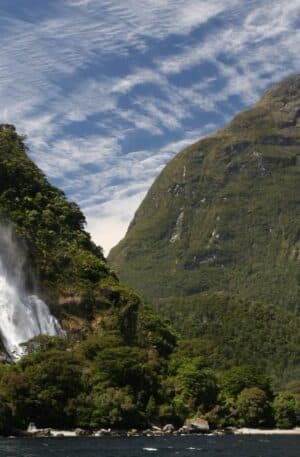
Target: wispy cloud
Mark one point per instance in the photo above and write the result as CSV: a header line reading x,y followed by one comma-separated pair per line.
x,y
108,91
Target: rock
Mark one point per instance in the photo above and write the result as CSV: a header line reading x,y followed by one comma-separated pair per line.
x,y
69,300
147,432
197,425
103,432
184,430
3,357
43,433
81,432
168,429
156,429
32,428
132,432
221,432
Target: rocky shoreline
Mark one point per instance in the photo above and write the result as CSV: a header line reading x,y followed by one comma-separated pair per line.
x,y
199,427
154,431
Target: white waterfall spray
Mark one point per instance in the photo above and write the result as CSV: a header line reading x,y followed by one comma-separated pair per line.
x,y
22,316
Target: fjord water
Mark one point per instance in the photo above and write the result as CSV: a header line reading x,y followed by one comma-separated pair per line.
x,y
207,446
23,316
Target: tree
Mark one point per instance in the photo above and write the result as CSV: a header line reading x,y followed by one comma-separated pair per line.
x,y
5,417
234,380
253,408
285,410
122,366
196,387
42,388
117,408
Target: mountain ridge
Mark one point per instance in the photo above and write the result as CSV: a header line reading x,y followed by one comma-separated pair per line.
x,y
222,220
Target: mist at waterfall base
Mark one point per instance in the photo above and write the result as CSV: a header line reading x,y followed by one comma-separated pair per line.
x,y
22,315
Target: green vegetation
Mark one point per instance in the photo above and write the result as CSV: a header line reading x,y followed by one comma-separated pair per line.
x,y
234,357
61,253
219,232
239,332
253,408
111,362
102,383
286,410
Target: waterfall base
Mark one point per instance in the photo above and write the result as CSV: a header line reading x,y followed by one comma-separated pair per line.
x,y
22,317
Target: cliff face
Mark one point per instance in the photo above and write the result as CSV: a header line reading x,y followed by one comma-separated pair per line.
x,y
221,225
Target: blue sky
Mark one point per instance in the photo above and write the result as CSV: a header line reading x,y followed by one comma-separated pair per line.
x,y
108,91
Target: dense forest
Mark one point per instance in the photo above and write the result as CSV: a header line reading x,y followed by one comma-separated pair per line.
x,y
119,363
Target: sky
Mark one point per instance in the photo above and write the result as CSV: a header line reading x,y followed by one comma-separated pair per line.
x,y
108,91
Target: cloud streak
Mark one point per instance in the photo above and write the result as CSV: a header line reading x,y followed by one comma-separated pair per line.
x,y
109,91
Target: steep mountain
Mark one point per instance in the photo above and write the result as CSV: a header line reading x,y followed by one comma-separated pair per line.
x,y
215,245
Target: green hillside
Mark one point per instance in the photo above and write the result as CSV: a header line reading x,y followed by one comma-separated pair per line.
x,y
119,364
68,270
115,349
215,245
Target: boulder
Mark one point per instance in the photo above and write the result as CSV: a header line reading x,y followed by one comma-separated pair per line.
x,y
103,432
43,433
81,432
32,428
168,428
156,431
132,432
147,432
197,425
155,428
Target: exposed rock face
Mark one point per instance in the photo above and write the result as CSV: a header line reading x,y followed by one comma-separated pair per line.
x,y
223,218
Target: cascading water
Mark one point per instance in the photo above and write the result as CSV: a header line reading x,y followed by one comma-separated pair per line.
x,y
22,316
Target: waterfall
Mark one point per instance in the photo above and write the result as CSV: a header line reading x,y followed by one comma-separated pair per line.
x,y
22,316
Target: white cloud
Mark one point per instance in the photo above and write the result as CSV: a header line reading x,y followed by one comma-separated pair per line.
x,y
92,75
110,226
141,76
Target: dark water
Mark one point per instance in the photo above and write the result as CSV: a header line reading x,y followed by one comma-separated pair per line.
x,y
206,446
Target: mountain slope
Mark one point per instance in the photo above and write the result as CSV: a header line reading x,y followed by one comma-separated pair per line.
x,y
117,365
111,360
221,224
